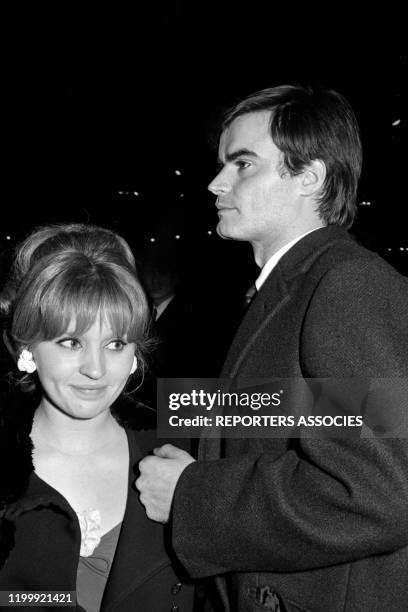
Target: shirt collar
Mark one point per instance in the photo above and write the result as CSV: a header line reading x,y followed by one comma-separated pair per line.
x,y
162,307
272,261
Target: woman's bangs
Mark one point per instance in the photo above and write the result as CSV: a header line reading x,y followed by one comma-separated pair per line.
x,y
117,310
69,308
76,309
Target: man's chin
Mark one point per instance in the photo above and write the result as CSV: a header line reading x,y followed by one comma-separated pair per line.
x,y
223,233
227,235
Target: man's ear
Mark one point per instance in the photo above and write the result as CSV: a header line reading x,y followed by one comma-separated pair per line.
x,y
312,178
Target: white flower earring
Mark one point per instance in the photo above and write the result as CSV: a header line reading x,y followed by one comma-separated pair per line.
x,y
26,362
134,365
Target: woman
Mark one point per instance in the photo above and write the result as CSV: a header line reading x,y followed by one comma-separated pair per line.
x,y
77,321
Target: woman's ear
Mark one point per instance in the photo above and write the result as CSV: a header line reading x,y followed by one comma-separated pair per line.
x,y
134,365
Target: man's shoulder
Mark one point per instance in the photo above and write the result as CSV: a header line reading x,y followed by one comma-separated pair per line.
x,y
338,254
332,265
341,248
357,287
358,266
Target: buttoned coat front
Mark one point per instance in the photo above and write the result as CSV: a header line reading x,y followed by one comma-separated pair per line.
x,y
316,525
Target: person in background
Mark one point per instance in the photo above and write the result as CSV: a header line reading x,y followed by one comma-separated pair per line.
x,y
77,322
172,316
299,523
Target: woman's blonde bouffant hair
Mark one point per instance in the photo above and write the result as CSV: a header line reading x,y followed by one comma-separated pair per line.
x,y
73,272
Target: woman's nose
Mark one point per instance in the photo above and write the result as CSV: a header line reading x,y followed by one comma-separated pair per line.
x,y
93,364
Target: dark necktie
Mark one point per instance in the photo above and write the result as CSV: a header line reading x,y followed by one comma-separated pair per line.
x,y
154,313
249,296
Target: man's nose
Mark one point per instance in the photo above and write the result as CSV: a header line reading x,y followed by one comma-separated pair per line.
x,y
219,184
93,363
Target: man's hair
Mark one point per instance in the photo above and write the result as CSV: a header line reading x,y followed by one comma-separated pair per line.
x,y
73,272
308,124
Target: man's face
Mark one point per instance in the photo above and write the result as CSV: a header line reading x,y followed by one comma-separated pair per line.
x,y
257,200
159,283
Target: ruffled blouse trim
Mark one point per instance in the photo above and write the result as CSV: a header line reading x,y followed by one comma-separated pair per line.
x,y
90,525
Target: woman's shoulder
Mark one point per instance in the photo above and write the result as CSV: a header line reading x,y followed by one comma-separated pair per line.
x,y
16,414
134,415
141,420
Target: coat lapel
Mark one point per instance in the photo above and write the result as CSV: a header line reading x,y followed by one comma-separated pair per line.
x,y
267,304
255,319
276,291
140,551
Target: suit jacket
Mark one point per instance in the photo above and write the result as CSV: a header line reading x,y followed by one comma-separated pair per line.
x,y
299,523
40,537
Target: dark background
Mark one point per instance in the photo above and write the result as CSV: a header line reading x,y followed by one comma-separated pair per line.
x,y
105,104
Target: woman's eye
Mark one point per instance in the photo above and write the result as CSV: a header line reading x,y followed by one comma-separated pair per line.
x,y
70,343
116,345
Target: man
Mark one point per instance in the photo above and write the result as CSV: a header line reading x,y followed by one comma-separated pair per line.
x,y
298,524
171,310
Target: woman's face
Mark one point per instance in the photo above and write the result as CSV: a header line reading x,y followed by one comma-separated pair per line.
x,y
83,375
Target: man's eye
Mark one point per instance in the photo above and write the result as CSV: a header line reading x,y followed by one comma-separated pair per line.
x,y
116,345
70,343
242,165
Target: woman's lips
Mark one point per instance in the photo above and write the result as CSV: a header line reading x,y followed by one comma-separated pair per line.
x,y
89,392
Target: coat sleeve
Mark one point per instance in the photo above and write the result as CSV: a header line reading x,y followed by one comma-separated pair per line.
x,y
321,502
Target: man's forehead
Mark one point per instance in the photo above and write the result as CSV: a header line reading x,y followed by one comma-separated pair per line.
x,y
249,131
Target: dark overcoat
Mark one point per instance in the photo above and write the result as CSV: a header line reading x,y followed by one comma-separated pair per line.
x,y
302,524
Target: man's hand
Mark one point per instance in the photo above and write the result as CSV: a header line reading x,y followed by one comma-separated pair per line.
x,y
158,479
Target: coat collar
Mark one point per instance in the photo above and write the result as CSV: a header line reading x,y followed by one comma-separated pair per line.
x,y
300,258
277,290
141,551
16,419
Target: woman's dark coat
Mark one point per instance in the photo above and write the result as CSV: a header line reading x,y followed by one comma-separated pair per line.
x,y
40,535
